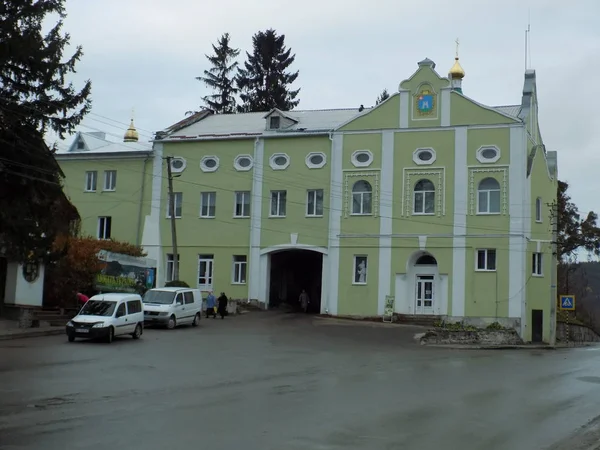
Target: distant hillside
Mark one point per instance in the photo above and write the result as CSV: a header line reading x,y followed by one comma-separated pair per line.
x,y
583,281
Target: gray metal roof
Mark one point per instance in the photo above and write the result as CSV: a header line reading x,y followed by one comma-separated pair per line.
x,y
511,110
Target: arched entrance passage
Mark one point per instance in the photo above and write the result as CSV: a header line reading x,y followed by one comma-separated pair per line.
x,y
287,270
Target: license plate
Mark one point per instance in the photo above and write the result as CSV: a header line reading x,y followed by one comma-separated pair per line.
x,y
83,330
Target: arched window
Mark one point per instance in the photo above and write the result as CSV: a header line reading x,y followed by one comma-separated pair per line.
x,y
538,209
426,260
424,198
488,196
362,198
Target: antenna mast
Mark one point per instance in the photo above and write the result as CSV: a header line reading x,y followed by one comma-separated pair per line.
x,y
528,42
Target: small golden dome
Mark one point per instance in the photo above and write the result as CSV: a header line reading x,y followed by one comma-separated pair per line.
x,y
131,135
457,72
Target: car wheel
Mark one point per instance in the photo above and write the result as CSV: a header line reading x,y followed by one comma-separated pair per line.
x,y
196,321
138,332
111,335
172,323
71,337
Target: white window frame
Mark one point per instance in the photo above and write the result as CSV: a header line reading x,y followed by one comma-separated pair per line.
x,y
362,200
178,196
91,181
355,266
488,193
279,121
279,204
311,165
205,168
358,163
486,265
484,160
180,169
244,195
110,180
208,196
420,162
314,194
238,167
422,203
170,266
240,266
538,210
104,225
210,274
275,156
537,264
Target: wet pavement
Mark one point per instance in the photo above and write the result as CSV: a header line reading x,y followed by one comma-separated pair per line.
x,y
285,381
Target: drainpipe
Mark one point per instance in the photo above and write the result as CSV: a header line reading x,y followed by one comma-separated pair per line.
x,y
140,210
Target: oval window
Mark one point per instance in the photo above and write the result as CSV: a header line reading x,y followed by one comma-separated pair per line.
x,y
244,162
281,160
363,157
425,156
177,164
316,159
210,163
489,153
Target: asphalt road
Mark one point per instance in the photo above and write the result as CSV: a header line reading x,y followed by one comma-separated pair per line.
x,y
284,381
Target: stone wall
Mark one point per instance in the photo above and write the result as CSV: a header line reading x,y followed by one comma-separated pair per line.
x,y
478,337
577,333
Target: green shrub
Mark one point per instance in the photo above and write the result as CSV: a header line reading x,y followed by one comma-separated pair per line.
x,y
176,283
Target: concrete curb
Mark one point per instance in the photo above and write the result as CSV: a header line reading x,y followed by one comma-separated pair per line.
x,y
31,334
505,347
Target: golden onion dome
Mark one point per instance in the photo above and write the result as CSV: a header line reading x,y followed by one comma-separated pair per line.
x,y
131,135
457,72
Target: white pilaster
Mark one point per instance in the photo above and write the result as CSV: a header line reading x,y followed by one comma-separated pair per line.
x,y
255,222
335,222
518,208
446,99
459,241
385,218
151,238
404,108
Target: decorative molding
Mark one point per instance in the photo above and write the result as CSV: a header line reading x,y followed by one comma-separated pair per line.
x,y
482,159
182,166
407,188
312,165
421,162
503,186
207,158
348,189
239,167
357,163
274,165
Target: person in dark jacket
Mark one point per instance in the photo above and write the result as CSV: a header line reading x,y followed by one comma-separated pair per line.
x,y
222,308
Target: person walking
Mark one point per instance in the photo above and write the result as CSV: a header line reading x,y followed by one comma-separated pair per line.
x,y
304,301
211,303
222,308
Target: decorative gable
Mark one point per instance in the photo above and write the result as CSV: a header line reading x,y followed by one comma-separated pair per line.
x,y
278,120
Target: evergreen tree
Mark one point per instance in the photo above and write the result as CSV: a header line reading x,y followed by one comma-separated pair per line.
x,y
218,77
264,82
34,98
382,97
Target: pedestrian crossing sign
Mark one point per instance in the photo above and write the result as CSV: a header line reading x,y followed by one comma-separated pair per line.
x,y
567,302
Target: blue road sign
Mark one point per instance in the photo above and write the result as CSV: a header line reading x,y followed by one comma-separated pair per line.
x,y
567,302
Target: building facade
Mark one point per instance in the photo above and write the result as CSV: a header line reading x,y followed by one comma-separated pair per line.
x,y
429,197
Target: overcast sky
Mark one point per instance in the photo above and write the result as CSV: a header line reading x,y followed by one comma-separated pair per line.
x,y
145,54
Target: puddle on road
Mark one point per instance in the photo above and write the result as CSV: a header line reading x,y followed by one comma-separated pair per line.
x,y
52,402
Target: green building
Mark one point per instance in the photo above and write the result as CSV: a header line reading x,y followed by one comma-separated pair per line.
x,y
429,197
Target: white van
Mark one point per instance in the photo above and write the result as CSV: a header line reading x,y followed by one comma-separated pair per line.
x,y
108,315
173,306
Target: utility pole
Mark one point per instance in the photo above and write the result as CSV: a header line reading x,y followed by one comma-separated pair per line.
x,y
173,223
553,274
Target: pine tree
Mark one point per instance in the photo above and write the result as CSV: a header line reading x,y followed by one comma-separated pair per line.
x,y
263,82
382,97
218,77
34,98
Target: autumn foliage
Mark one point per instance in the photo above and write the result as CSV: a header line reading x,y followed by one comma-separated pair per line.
x,y
75,270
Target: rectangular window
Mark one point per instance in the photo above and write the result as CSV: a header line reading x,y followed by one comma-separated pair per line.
x,y
239,269
314,203
188,297
242,204
170,272
205,272
278,203
486,259
178,205
538,209
208,204
110,180
536,264
91,180
104,227
274,122
360,269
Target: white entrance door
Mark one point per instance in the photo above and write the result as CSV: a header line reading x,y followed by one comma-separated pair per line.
x,y
424,294
205,272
